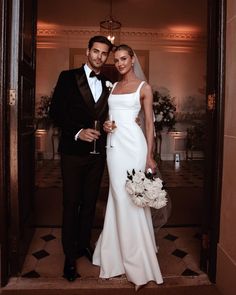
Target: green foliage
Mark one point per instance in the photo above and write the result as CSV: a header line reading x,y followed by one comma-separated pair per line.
x,y
164,111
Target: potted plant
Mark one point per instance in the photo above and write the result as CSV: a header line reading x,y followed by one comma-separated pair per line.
x,y
42,113
164,111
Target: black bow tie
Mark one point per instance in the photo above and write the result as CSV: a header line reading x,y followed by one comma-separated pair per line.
x,y
93,74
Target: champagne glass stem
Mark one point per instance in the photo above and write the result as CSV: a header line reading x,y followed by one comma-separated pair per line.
x,y
94,146
96,127
111,146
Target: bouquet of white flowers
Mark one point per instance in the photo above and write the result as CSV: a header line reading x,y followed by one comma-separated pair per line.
x,y
145,190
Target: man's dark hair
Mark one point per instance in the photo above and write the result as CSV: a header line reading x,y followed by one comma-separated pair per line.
x,y
100,39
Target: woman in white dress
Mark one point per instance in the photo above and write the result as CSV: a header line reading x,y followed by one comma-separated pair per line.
x,y
127,243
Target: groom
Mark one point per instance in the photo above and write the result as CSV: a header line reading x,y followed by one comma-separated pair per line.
x,y
80,98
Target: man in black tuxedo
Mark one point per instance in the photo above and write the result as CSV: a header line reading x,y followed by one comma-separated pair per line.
x,y
80,98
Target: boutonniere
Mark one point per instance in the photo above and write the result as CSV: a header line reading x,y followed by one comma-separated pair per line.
x,y
109,85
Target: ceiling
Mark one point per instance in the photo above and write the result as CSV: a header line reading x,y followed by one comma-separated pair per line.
x,y
161,15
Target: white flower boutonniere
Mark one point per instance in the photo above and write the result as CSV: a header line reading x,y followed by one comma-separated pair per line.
x,y
109,85
145,190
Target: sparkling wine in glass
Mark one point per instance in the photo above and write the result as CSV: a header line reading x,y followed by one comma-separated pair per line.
x,y
96,126
113,126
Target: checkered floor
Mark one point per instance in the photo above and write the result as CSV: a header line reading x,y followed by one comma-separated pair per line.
x,y
178,254
179,247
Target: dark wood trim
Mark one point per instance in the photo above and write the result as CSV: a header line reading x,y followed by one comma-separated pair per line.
x,y
4,142
215,132
22,81
218,163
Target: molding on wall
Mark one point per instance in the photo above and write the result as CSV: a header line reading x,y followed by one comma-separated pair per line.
x,y
59,36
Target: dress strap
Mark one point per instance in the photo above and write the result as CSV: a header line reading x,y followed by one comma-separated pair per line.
x,y
113,87
140,86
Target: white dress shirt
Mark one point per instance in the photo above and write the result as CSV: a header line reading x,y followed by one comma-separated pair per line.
x,y
94,84
95,87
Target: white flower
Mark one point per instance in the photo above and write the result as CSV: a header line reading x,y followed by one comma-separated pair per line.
x,y
138,177
139,200
171,115
159,117
144,190
109,85
158,203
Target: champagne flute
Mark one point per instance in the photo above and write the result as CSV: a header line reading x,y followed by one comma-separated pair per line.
x,y
113,126
96,126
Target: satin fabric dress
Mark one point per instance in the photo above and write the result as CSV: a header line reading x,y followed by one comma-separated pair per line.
x,y
127,243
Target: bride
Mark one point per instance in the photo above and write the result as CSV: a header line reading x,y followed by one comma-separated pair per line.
x,y
127,243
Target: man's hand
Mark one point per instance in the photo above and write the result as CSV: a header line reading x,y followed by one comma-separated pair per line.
x,y
89,135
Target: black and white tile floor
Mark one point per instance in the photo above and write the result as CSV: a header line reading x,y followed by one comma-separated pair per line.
x,y
179,247
178,254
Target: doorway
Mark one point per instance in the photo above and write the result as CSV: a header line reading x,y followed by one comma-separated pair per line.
x,y
56,69
58,53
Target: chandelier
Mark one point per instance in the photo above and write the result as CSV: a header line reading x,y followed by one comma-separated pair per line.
x,y
110,27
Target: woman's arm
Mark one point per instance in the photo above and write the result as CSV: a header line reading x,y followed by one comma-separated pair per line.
x,y
147,100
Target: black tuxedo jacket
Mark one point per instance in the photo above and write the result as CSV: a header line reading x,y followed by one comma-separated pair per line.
x,y
73,107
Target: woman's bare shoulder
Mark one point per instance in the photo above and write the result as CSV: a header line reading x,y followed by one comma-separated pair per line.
x,y
146,87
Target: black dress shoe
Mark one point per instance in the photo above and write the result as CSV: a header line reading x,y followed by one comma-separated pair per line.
x,y
69,271
87,252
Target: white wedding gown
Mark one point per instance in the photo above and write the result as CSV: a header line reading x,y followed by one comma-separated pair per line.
x,y
127,243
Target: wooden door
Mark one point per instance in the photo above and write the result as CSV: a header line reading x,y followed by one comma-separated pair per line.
x,y
4,132
21,121
214,134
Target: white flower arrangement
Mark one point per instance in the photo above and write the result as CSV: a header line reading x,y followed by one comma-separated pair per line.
x,y
164,111
109,85
145,190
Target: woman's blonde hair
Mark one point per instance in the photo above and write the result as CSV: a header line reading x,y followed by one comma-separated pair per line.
x,y
126,48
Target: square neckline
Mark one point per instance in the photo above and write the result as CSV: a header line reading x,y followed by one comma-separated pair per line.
x,y
139,86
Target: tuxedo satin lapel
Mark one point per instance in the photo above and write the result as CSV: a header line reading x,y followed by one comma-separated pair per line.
x,y
84,89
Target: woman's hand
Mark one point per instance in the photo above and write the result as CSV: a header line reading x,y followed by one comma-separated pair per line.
x,y
109,126
151,164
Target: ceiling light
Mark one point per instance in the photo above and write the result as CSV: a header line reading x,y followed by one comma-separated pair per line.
x,y
110,27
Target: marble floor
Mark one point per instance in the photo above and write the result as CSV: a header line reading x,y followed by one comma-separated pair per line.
x,y
178,254
179,247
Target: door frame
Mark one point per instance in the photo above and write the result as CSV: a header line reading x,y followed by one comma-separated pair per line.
x,y
220,44
215,135
5,11
13,241
213,191
21,115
